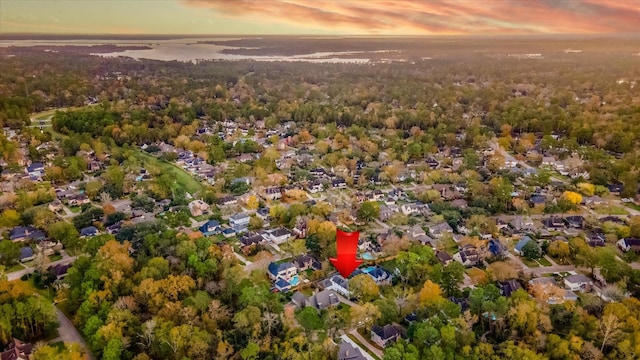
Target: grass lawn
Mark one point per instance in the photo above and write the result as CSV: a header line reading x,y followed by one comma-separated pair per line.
x,y
632,206
182,178
530,263
450,245
16,267
355,340
610,210
544,262
74,209
55,257
48,293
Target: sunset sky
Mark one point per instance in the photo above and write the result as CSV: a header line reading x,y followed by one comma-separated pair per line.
x,y
317,17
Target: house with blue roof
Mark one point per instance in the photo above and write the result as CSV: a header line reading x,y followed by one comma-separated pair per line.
x,y
497,248
211,227
89,231
36,169
285,270
284,275
523,241
26,254
26,233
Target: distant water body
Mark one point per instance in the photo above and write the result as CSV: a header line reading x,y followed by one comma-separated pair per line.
x,y
190,50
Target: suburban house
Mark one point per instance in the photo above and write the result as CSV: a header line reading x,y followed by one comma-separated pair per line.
x,y
26,254
508,287
272,193
578,282
521,222
198,208
575,221
382,335
346,351
307,262
467,256
523,241
89,231
339,183
320,301
284,275
411,208
627,244
239,222
444,258
497,248
263,213
35,170
26,233
78,200
211,227
17,350
280,235
315,187
284,270
440,230
417,231
55,205
228,200
336,283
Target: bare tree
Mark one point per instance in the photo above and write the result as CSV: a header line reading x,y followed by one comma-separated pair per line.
x,y
610,329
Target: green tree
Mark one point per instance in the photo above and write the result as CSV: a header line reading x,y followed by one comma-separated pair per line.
x,y
9,218
532,250
369,211
364,288
9,253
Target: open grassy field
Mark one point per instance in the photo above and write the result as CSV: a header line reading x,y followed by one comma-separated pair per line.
x,y
182,178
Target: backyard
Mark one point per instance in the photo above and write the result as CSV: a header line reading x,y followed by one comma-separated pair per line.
x,y
183,179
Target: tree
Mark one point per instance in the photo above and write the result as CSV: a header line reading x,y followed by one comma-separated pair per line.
x,y
559,250
532,250
610,327
66,233
252,202
369,211
71,351
9,253
364,315
9,218
364,288
503,270
309,319
573,197
430,294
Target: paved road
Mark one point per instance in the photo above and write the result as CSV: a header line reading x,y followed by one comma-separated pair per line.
x,y
379,353
68,332
66,259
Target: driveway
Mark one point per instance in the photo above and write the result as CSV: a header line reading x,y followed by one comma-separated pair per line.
x,y
366,355
379,353
68,332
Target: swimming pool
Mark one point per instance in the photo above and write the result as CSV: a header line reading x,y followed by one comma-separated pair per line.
x,y
294,280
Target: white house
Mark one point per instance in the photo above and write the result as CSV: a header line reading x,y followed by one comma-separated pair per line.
x,y
577,282
411,208
338,284
239,221
278,236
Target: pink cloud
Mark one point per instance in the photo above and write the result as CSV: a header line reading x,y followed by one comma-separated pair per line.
x,y
439,16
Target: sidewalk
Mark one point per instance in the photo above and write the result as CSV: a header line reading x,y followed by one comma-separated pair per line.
x,y
379,353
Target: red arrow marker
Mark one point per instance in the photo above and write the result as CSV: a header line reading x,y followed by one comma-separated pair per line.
x,y
347,247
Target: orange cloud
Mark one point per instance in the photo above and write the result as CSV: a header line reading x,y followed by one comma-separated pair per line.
x,y
439,16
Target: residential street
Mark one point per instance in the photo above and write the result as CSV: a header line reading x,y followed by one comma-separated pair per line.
x,y
68,333
66,259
